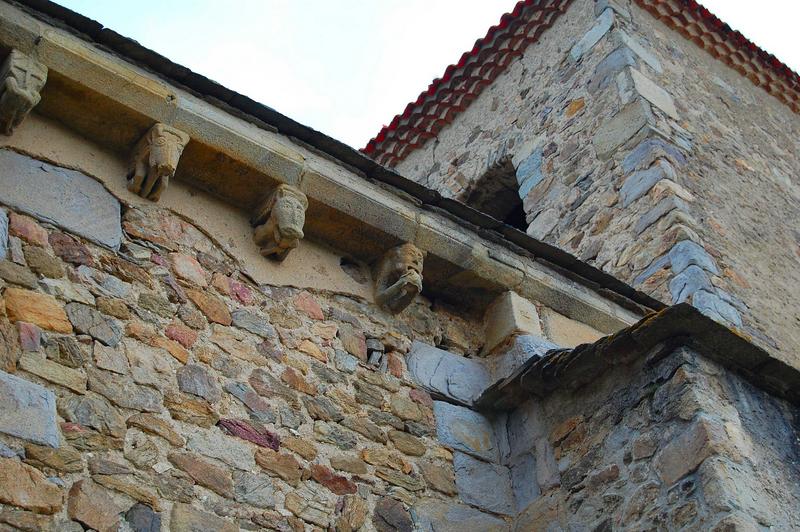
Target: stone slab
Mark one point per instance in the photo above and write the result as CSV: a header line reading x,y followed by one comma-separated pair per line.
x,y
434,515
465,430
452,376
509,314
63,197
593,36
28,411
685,253
522,348
3,234
654,93
637,48
640,182
484,485
620,128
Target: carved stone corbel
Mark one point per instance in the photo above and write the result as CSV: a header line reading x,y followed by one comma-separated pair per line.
x,y
398,277
155,160
279,222
23,77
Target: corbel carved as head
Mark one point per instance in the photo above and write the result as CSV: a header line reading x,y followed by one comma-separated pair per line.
x,y
22,77
398,277
279,223
155,160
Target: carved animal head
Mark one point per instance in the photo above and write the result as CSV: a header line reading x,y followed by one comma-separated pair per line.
x,y
166,145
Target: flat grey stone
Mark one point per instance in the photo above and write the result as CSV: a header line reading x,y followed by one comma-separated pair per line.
x,y
3,234
529,172
254,489
642,52
452,376
715,308
213,443
654,93
484,485
252,322
87,320
8,452
142,518
602,5
123,392
648,151
28,411
686,283
196,380
524,481
435,515
523,348
258,407
593,36
658,264
640,182
621,128
63,197
685,253
465,430
94,412
664,207
606,70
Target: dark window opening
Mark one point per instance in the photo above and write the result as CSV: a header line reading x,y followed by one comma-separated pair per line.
x,y
496,193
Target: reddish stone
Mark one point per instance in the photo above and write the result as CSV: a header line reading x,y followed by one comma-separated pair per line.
x,y
293,379
181,333
244,430
27,229
155,258
336,483
395,365
241,292
30,336
305,302
187,268
175,292
422,397
125,270
70,250
213,307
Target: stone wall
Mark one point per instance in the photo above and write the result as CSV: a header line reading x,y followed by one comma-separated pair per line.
x,y
638,152
669,442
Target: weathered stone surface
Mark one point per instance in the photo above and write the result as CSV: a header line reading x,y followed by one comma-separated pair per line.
x,y
365,427
29,521
684,453
66,198
406,443
349,463
91,505
213,307
216,478
48,370
716,308
295,380
606,70
621,128
186,518
33,307
27,411
30,336
353,514
87,320
142,518
311,504
439,477
187,268
155,425
640,182
41,262
453,376
63,459
93,412
156,303
254,489
63,289
268,386
196,380
254,323
243,429
184,408
353,341
508,315
391,516
323,408
110,358
598,30
654,94
688,282
16,274
27,229
338,484
282,465
258,407
24,486
3,235
445,516
69,249
406,481
123,392
465,430
485,485
687,253
345,362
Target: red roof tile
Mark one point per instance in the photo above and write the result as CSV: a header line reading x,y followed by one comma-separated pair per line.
x,y
462,82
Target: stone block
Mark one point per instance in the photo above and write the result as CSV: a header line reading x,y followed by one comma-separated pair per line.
x,y
648,151
606,70
431,515
40,309
186,518
621,128
593,36
444,373
654,94
643,53
686,253
484,485
465,430
521,349
523,480
63,197
689,281
48,370
690,448
566,332
3,235
661,209
508,315
640,182
28,411
715,308
529,172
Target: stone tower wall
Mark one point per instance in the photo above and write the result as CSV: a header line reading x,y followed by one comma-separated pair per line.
x,y
639,152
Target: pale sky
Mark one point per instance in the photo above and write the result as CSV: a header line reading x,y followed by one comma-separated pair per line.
x,y
346,67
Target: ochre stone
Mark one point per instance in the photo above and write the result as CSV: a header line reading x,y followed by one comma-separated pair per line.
x,y
282,465
213,307
40,309
24,486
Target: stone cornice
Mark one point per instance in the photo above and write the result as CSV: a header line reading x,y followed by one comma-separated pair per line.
x,y
240,159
